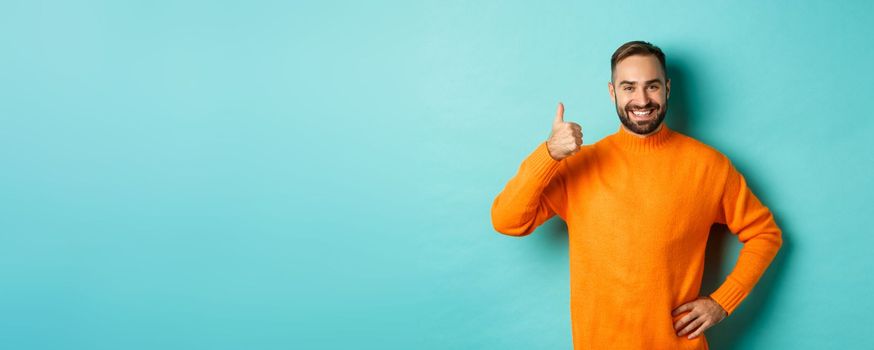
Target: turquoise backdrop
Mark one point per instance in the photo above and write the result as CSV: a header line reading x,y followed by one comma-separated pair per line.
x,y
319,174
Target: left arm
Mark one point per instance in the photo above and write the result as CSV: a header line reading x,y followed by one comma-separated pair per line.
x,y
755,227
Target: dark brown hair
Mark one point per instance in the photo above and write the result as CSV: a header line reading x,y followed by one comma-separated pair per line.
x,y
637,47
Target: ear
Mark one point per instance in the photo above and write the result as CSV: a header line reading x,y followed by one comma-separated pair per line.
x,y
611,90
668,88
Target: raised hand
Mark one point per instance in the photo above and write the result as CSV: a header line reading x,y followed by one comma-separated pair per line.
x,y
566,137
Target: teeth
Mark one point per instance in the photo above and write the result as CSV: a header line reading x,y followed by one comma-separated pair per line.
x,y
641,113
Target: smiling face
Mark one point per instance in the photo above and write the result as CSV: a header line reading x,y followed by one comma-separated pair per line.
x,y
640,93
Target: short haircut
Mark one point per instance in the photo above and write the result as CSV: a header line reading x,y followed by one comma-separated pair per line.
x,y
636,47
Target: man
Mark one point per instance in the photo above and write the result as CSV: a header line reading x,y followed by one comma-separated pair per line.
x,y
639,205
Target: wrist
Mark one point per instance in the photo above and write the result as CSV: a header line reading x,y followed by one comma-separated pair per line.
x,y
551,155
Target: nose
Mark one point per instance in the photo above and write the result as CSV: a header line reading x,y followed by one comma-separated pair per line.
x,y
641,96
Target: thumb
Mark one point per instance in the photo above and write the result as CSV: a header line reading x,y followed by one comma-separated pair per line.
x,y
559,115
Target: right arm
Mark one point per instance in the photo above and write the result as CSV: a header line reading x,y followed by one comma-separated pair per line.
x,y
538,192
531,197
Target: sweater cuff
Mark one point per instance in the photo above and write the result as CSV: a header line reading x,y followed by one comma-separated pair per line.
x,y
729,295
542,164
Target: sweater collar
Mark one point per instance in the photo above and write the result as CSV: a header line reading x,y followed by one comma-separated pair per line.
x,y
628,140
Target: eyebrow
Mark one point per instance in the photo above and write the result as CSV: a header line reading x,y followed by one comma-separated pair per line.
x,y
646,83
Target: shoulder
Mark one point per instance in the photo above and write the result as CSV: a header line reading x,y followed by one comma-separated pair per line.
x,y
581,159
701,151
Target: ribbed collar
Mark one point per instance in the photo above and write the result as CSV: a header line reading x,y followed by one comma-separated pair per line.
x,y
632,142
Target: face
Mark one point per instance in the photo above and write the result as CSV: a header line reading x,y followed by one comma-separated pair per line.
x,y
640,93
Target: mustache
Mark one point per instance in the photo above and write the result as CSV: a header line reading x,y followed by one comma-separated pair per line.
x,y
647,106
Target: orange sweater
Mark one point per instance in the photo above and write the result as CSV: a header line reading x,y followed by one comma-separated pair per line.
x,y
639,212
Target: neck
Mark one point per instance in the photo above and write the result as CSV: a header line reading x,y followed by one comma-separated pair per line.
x,y
643,143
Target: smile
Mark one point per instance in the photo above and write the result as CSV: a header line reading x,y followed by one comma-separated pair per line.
x,y
642,114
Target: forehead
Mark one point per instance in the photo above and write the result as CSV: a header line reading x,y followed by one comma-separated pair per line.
x,y
638,68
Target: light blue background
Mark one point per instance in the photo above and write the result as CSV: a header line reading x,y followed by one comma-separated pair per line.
x,y
293,175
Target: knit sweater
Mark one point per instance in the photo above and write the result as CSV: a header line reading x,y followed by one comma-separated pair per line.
x,y
639,212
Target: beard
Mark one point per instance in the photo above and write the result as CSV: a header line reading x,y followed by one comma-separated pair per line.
x,y
643,127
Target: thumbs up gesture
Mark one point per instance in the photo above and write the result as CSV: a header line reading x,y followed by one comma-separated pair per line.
x,y
566,137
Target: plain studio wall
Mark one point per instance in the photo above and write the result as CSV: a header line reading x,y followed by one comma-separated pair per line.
x,y
318,175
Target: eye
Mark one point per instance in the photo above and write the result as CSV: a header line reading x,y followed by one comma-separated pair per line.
x,y
628,88
654,87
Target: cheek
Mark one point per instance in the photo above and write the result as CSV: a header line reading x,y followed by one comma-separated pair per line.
x,y
622,101
659,98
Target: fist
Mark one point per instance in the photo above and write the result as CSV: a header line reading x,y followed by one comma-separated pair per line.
x,y
566,137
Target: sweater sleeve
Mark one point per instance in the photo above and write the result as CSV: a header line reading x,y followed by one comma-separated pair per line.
x,y
755,227
534,195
